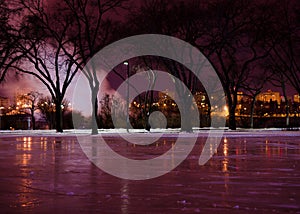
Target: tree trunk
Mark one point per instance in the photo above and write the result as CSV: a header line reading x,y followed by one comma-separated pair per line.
x,y
33,118
232,122
94,111
232,100
287,112
186,124
287,109
208,117
252,112
147,125
58,116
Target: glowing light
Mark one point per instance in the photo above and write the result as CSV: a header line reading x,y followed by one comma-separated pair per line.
x,y
225,149
27,143
226,112
225,108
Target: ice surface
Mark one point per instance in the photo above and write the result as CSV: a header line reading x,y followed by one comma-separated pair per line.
x,y
252,171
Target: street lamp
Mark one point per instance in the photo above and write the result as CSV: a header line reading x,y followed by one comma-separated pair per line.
x,y
127,100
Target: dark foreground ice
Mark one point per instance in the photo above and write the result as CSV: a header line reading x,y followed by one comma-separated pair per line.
x,y
250,173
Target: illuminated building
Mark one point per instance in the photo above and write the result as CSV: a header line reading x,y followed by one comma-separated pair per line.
x,y
297,98
269,96
4,102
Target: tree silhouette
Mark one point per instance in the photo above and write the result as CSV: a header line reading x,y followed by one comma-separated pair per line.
x,y
30,100
8,39
94,30
223,30
46,49
285,55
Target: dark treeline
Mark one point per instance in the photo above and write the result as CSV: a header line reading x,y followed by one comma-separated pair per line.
x,y
249,43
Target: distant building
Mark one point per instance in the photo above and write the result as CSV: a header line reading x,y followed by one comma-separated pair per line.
x,y
4,102
297,98
166,94
200,98
165,99
239,96
269,96
14,122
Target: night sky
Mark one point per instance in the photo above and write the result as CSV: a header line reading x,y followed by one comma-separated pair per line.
x,y
26,83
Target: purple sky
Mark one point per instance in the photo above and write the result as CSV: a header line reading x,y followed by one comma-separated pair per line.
x,y
26,83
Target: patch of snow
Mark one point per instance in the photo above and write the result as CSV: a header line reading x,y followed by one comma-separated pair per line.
x,y
156,132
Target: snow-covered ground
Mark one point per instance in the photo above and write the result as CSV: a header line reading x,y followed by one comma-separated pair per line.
x,y
154,132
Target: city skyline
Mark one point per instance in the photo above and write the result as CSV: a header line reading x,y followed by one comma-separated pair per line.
x,y
268,104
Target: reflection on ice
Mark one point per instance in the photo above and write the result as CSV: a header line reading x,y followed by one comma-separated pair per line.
x,y
26,143
247,174
125,197
225,152
111,161
33,157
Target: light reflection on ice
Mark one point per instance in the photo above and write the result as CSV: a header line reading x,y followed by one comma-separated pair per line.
x,y
125,197
255,173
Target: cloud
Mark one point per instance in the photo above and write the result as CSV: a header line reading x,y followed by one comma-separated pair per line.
x,y
19,84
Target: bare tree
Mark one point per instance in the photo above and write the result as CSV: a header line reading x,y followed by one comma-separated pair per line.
x,y
253,86
285,56
223,30
47,107
47,49
237,41
280,80
141,64
283,60
95,30
175,20
57,39
30,100
8,39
